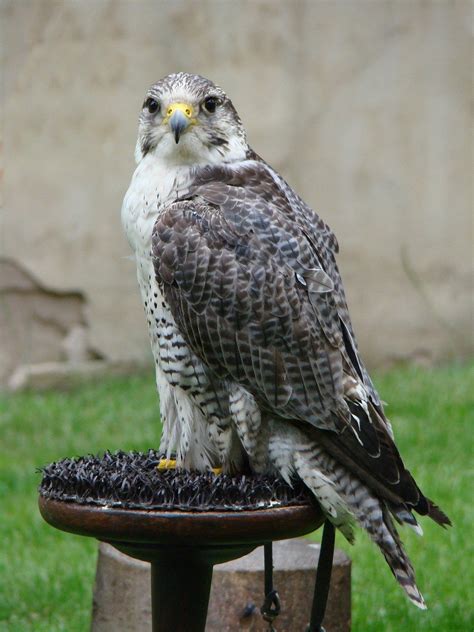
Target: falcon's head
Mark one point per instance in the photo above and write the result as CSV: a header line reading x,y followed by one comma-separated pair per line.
x,y
187,119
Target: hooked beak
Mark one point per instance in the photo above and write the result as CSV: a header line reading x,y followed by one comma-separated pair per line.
x,y
179,116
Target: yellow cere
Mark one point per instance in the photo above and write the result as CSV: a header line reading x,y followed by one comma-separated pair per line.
x,y
185,108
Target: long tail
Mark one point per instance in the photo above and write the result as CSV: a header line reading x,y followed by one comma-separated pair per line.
x,y
379,525
345,500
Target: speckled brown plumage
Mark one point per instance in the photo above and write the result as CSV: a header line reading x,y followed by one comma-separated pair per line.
x,y
257,363
253,287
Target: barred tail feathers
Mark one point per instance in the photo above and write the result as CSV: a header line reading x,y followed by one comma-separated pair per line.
x,y
345,499
371,514
291,453
326,493
381,529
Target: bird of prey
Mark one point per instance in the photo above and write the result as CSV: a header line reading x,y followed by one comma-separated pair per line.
x,y
257,366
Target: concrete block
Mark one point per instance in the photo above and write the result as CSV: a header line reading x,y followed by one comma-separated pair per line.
x,y
122,591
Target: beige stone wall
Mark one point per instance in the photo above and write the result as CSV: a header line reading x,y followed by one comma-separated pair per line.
x,y
363,106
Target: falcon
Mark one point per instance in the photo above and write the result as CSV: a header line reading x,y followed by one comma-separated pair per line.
x,y
257,366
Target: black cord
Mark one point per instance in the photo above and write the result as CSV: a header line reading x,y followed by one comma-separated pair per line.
x,y
271,605
323,579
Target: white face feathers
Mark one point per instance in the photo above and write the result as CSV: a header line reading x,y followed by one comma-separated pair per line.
x,y
187,120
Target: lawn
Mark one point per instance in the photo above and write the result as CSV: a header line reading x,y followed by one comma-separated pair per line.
x,y
46,576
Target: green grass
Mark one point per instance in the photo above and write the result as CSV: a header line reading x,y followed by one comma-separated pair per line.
x,y
46,576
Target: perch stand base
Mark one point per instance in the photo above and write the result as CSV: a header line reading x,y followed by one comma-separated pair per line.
x,y
181,546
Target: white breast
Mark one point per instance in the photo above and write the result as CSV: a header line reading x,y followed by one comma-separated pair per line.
x,y
154,184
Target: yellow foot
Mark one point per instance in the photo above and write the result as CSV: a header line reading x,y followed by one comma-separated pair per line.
x,y
170,464
166,464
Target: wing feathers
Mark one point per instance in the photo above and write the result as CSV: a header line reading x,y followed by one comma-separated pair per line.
x,y
249,273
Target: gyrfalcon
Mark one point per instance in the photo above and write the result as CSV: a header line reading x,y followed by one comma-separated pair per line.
x,y
257,366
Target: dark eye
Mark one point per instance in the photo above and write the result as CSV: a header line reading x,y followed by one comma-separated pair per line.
x,y
152,105
210,104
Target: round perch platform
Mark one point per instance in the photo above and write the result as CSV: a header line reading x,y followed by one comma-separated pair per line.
x,y
182,523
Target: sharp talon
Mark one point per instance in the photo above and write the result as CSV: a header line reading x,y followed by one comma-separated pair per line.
x,y
166,464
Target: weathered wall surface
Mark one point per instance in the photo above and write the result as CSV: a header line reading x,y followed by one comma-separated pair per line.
x,y
363,106
37,324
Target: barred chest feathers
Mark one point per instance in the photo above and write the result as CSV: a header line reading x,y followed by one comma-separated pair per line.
x,y
152,187
194,427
